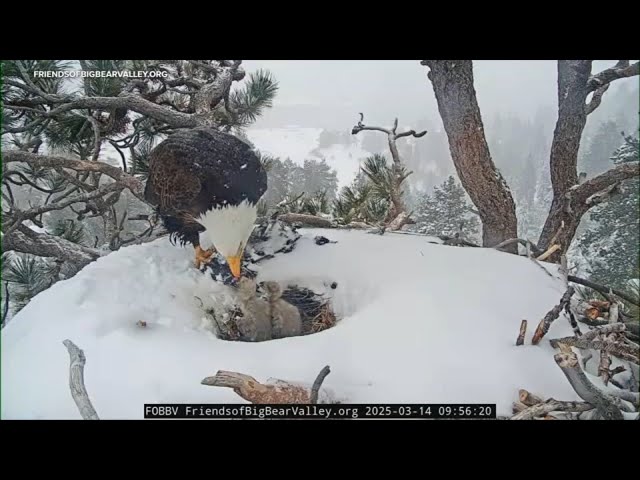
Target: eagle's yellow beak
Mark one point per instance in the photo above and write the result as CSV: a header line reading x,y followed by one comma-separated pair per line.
x,y
234,265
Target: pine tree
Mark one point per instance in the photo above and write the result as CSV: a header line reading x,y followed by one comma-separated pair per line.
x,y
446,211
610,245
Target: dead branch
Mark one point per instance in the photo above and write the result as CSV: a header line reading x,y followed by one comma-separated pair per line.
x,y
551,405
622,69
255,392
523,331
545,323
76,381
528,398
306,220
25,240
603,289
608,344
568,363
584,194
572,320
605,364
550,251
626,395
536,251
596,99
518,407
630,327
318,383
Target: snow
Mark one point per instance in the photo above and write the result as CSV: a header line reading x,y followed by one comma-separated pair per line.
x,y
420,323
299,143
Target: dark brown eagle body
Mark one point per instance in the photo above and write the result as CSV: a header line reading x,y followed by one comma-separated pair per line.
x,y
195,171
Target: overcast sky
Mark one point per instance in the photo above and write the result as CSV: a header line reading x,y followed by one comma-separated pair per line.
x,y
383,89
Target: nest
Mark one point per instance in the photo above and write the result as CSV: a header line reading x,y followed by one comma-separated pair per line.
x,y
315,312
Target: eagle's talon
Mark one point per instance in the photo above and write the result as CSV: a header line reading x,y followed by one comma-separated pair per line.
x,y
203,256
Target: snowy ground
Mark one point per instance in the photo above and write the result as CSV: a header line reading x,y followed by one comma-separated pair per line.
x,y
421,323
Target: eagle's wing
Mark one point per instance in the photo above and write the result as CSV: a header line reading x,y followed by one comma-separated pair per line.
x,y
172,186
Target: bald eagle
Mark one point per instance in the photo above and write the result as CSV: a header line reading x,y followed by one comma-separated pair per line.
x,y
203,180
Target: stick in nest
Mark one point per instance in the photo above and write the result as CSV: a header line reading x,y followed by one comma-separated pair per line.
x,y
568,363
551,405
324,320
545,323
318,383
523,331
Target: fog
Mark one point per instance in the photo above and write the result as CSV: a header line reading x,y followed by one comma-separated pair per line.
x,y
330,93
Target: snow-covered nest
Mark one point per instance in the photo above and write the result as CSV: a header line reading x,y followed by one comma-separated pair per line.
x,y
420,323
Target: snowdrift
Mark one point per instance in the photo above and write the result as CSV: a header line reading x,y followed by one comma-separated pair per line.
x,y
420,323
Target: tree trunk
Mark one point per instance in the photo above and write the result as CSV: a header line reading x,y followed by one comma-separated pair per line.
x,y
572,118
453,87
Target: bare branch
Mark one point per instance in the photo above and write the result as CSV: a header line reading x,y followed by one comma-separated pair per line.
x,y
523,331
605,180
128,101
357,129
25,240
76,381
603,289
534,249
568,363
411,133
596,99
545,323
128,181
621,70
29,214
318,383
608,344
551,405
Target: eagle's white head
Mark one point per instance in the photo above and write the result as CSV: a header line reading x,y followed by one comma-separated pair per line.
x,y
229,228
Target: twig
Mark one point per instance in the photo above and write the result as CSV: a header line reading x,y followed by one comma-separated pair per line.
x,y
603,369
568,363
76,381
534,248
572,320
604,290
532,258
545,323
318,383
523,331
551,405
552,249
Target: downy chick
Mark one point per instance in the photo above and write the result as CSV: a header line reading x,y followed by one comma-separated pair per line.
x,y
255,325
285,318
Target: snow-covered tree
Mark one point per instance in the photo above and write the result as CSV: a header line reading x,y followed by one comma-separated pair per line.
x,y
446,211
610,245
76,151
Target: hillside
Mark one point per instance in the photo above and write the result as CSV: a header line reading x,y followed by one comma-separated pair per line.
x,y
419,322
